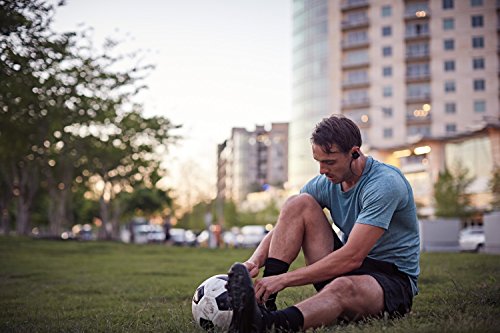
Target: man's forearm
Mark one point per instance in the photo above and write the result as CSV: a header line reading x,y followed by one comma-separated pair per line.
x,y
260,254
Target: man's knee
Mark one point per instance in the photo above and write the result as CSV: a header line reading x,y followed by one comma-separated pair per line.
x,y
342,288
301,203
358,296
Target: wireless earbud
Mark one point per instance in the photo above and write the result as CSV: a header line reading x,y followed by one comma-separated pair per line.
x,y
355,155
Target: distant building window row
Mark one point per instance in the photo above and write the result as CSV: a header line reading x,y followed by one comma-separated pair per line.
x,y
449,4
477,43
449,65
477,85
479,106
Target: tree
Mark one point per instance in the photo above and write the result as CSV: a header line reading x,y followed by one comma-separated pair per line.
x,y
451,198
27,48
495,188
67,118
146,201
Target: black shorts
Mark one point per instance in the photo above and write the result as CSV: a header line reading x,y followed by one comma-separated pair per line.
x,y
398,294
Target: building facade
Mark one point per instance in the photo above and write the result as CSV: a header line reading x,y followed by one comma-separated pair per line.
x,y
250,161
404,71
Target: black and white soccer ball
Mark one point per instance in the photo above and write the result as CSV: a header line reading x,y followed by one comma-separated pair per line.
x,y
210,305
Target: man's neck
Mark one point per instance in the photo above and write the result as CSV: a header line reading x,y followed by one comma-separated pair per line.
x,y
358,167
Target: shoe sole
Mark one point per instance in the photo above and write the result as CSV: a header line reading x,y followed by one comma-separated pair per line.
x,y
239,286
240,293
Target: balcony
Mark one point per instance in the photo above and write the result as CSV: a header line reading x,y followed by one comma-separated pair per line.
x,y
350,64
350,84
413,35
352,44
353,4
421,55
420,98
418,77
418,14
412,119
355,103
354,24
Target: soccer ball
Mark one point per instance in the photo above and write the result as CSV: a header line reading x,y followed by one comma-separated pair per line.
x,y
210,305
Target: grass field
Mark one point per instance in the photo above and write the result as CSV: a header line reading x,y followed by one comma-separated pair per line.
x,y
48,286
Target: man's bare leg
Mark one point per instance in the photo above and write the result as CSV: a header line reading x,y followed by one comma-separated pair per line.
x,y
301,224
350,297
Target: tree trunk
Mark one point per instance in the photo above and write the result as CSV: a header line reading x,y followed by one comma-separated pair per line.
x,y
106,228
5,221
59,197
23,216
27,185
115,220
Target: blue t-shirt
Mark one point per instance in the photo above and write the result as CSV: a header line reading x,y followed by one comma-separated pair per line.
x,y
383,198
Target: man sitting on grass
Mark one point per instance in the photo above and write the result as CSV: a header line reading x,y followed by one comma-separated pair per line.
x,y
373,271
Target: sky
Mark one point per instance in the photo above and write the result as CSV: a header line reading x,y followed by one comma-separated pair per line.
x,y
219,64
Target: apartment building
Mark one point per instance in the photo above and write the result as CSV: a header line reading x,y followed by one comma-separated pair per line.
x,y
404,71
250,161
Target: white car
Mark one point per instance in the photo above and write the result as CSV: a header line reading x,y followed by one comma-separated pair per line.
x,y
471,239
251,235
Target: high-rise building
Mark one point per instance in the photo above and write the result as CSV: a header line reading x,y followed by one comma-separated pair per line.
x,y
402,70
250,161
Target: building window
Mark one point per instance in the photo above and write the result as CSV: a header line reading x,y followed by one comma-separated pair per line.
x,y
479,106
417,29
386,11
479,85
449,86
477,21
417,50
387,51
447,4
387,71
386,31
448,23
418,91
419,130
388,133
356,57
478,42
356,77
451,128
449,65
449,44
450,108
387,91
387,112
478,63
418,70
476,3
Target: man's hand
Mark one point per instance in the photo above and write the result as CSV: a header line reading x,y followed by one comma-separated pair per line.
x,y
267,286
252,267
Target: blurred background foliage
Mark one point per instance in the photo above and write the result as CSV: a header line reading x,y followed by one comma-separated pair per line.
x,y
74,144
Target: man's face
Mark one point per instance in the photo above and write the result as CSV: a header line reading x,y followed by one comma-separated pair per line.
x,y
334,164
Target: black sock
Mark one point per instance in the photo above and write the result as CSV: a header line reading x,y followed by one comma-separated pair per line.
x,y
274,266
287,320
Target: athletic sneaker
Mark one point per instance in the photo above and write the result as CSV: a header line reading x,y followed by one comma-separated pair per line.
x,y
247,316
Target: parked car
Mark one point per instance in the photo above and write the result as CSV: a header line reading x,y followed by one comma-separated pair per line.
x,y
156,234
230,237
471,239
251,235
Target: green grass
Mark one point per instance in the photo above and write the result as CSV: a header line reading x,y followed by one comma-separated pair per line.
x,y
48,286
